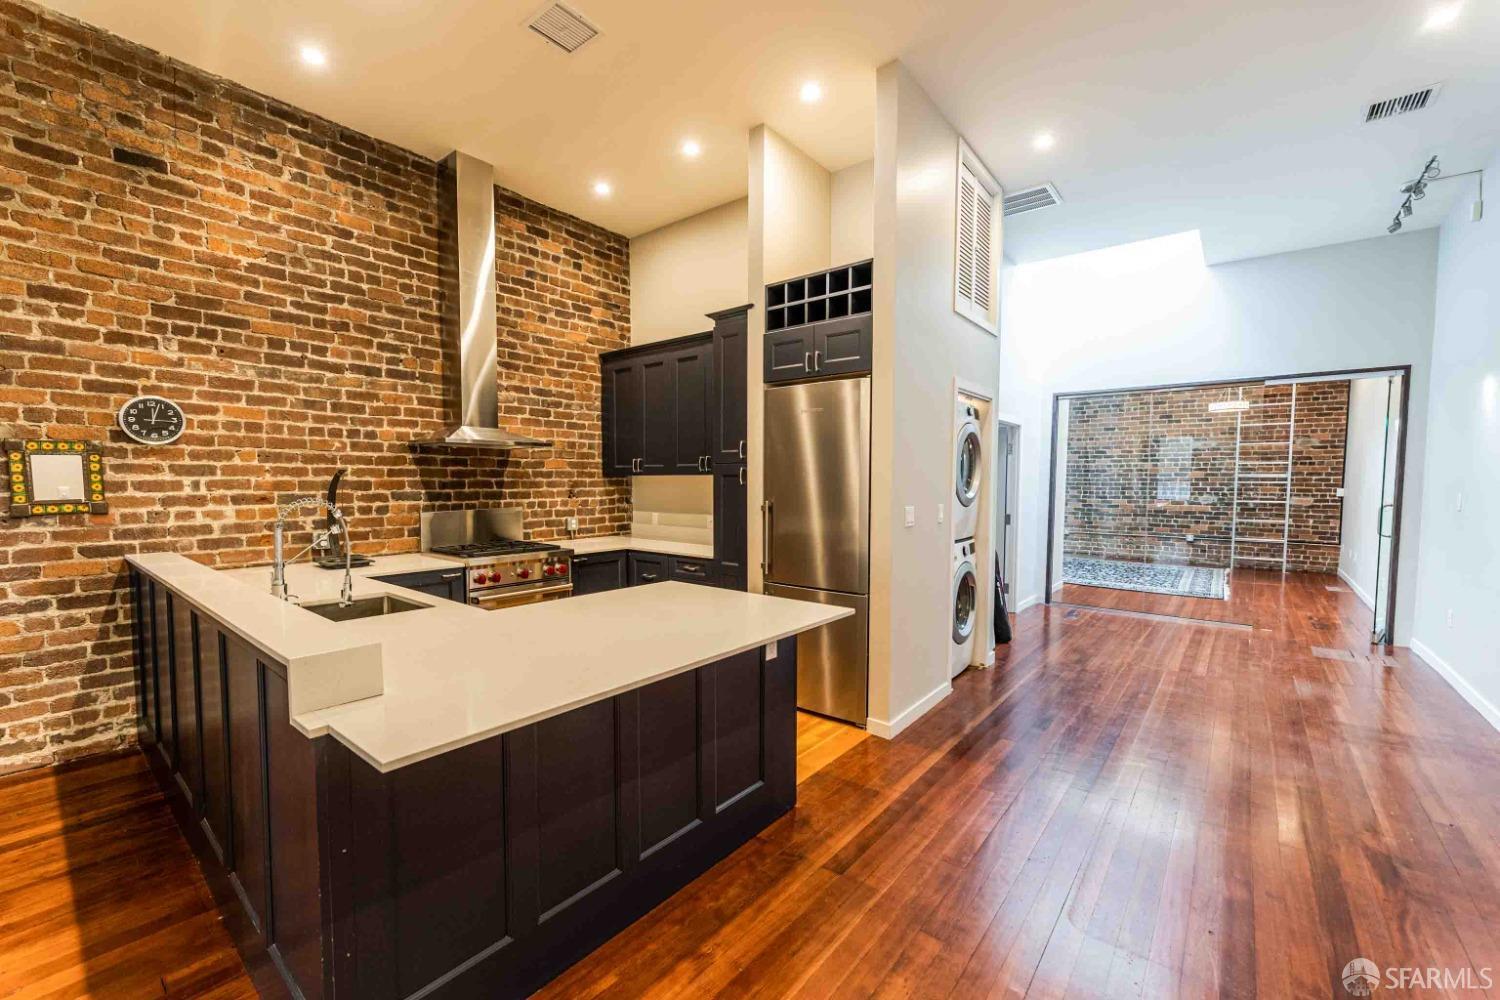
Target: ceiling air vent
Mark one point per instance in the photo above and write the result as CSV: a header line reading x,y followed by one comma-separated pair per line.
x,y
1031,200
563,27
1393,106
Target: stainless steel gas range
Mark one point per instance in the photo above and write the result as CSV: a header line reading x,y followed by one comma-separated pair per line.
x,y
504,569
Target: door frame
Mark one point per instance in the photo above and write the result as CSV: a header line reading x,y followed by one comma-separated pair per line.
x,y
1010,503
1327,376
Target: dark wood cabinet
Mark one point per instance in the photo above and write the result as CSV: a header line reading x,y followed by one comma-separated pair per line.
x,y
601,571
694,570
658,408
647,567
730,397
482,871
730,525
623,394
789,354
449,584
833,347
692,407
843,346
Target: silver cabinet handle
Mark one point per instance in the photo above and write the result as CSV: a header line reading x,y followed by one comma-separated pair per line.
x,y
807,362
765,537
742,448
690,567
453,576
817,361
648,577
742,475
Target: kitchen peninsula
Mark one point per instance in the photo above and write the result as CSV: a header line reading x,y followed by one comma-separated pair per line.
x,y
447,801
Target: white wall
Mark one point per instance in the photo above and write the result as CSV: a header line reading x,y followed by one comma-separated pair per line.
x,y
1364,472
678,274
921,346
683,271
1460,557
1153,313
852,214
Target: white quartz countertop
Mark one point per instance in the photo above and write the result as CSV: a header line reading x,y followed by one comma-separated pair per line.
x,y
451,674
620,543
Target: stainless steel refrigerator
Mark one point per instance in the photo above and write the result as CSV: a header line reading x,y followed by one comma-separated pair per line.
x,y
816,531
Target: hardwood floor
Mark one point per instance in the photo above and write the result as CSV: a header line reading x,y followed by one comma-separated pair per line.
x,y
1122,807
822,741
100,895
1257,597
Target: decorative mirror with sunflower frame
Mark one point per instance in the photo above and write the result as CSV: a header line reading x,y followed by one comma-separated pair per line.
x,y
55,477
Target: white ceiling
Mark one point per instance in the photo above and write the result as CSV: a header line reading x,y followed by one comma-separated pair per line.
x,y
1244,121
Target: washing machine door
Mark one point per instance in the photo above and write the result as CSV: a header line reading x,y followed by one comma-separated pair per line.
x,y
965,595
967,465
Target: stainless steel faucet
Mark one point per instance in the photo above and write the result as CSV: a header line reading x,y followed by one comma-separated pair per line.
x,y
320,539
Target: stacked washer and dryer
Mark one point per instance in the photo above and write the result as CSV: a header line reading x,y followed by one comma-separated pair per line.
x,y
968,469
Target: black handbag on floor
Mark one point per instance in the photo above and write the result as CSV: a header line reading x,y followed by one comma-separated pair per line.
x,y
1002,619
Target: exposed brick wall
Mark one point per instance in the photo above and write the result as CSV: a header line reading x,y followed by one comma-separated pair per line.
x,y
1146,470
163,230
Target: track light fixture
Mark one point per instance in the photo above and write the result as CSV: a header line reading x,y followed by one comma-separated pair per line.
x,y
1416,190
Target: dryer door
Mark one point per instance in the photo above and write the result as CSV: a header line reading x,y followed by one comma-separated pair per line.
x,y
965,595
967,465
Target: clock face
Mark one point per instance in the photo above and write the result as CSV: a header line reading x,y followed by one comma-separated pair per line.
x,y
152,420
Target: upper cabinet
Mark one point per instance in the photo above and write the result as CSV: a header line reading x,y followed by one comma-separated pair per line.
x,y
731,354
657,416
819,325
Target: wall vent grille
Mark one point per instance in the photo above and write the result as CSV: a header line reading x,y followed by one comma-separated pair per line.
x,y
1032,200
1406,103
563,27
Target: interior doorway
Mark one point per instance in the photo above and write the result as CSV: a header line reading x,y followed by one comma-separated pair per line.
x,y
1200,500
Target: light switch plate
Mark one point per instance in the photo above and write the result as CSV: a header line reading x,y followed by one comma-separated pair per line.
x,y
940,513
911,516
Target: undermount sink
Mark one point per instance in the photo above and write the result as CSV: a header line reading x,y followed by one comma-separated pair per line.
x,y
363,607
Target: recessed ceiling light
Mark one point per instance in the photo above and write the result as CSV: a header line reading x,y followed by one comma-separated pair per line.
x,y
691,148
313,56
812,92
1442,16
602,189
1043,141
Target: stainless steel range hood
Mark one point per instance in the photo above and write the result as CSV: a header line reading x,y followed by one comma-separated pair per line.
x,y
469,326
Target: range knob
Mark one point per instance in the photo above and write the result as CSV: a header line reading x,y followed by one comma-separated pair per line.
x,y
480,578
523,572
549,569
562,569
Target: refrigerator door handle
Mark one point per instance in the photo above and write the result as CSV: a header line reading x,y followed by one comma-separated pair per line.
x,y
765,538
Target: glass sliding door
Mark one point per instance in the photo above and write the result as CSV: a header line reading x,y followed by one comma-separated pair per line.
x,y
1385,526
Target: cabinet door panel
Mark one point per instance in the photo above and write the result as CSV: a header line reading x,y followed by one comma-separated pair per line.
x,y
730,513
215,738
659,420
594,574
647,568
623,410
576,810
166,684
247,787
789,354
692,384
843,347
739,750
669,762
189,747
730,388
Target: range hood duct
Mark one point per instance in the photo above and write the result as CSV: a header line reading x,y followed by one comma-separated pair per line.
x,y
469,325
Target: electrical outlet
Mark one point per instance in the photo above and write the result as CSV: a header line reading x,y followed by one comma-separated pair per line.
x,y
940,513
572,524
1458,504
1339,493
911,516
1450,617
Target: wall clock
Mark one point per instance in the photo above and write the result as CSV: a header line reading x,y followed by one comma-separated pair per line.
x,y
152,420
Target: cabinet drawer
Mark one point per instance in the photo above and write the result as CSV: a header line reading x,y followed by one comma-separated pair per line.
x,y
694,570
647,568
